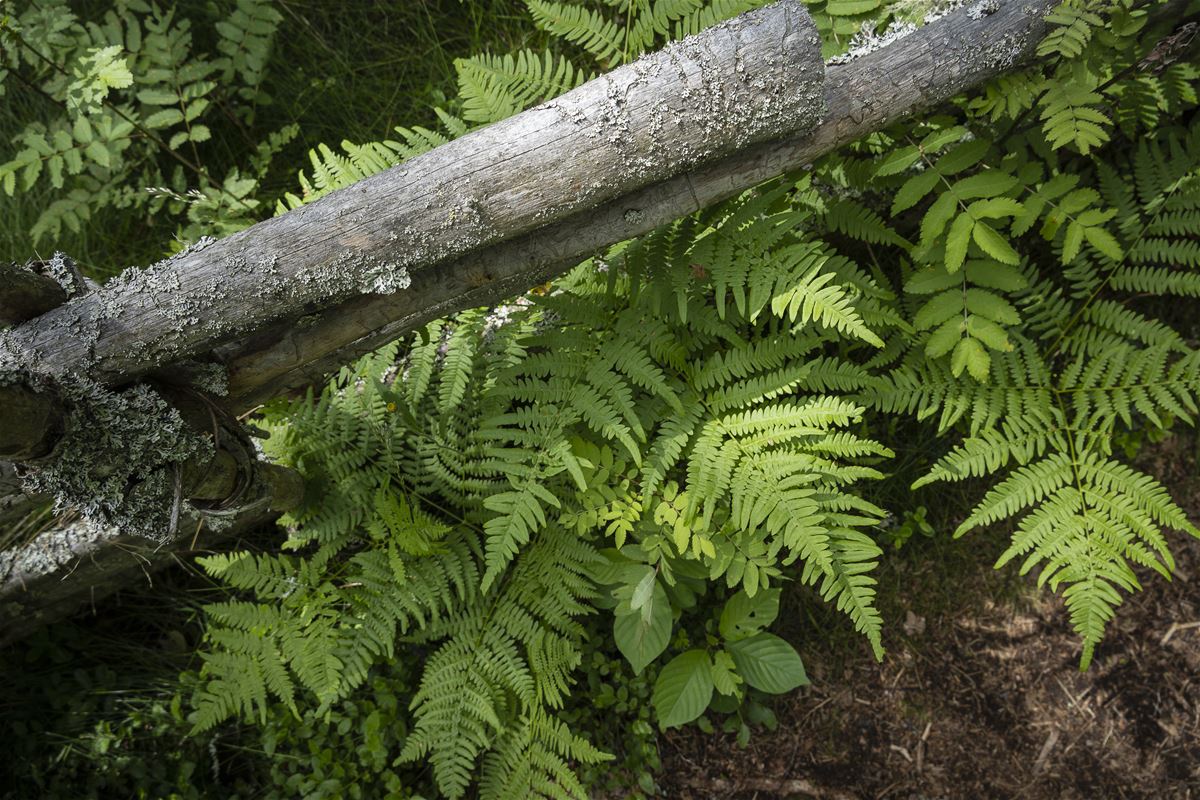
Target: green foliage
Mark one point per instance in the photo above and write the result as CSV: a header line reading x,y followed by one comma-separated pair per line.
x,y
540,437
128,109
658,442
495,87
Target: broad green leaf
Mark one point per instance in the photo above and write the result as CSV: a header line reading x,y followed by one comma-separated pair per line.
x,y
913,189
940,138
768,663
850,8
1072,242
111,70
939,309
991,306
744,616
55,168
991,183
641,640
989,333
944,339
82,130
157,97
644,589
995,275
970,355
1103,241
994,244
1095,216
963,156
683,689
931,279
196,108
937,216
164,118
898,161
97,152
724,673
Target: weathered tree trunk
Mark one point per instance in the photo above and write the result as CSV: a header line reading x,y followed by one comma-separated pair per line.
x,y
755,78
286,301
927,67
74,565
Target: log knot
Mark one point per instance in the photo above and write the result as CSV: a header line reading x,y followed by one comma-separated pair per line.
x,y
62,269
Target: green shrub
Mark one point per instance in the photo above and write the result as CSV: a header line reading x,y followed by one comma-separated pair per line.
x,y
128,108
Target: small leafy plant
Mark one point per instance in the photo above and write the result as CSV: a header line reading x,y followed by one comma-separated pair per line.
x,y
128,109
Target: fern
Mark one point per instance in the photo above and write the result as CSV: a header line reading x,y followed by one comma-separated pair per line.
x,y
704,405
1091,517
600,37
495,87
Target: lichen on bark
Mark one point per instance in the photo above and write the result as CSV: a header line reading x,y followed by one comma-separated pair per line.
x,y
118,461
120,458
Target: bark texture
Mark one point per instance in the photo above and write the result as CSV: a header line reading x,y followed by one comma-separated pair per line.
x,y
287,301
72,567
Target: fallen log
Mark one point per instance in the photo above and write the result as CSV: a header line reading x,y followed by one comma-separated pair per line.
x,y
72,566
296,320
755,78
861,95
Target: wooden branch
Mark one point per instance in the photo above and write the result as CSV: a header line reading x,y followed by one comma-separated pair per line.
x,y
24,294
862,95
755,78
74,566
355,229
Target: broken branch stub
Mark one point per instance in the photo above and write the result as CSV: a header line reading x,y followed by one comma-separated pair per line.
x,y
32,289
24,294
754,78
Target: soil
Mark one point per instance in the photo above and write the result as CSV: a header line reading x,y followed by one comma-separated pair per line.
x,y
985,699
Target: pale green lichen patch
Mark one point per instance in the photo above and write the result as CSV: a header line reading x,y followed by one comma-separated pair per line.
x,y
52,550
118,459
62,270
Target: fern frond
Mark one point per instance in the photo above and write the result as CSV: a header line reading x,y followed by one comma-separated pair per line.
x,y
495,87
581,26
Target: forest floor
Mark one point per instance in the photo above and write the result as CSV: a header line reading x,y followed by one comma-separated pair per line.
x,y
985,700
